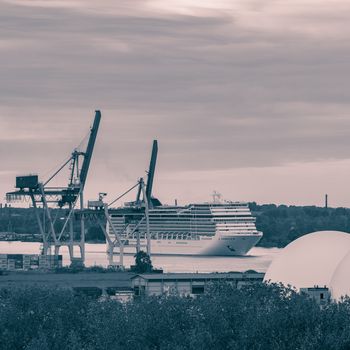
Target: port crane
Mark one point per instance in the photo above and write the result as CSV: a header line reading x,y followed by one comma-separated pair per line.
x,y
150,179
60,229
136,214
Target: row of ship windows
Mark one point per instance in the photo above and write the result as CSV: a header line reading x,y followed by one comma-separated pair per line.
x,y
161,220
155,233
203,212
246,213
166,236
175,235
190,215
189,227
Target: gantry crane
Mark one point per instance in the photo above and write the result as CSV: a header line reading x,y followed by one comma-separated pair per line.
x,y
66,200
136,214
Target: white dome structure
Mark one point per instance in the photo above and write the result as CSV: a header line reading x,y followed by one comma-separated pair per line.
x,y
312,260
340,283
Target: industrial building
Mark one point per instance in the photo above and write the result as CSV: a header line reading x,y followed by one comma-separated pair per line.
x,y
95,284
321,295
188,284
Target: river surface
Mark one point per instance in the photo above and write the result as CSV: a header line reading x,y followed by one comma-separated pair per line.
x,y
257,259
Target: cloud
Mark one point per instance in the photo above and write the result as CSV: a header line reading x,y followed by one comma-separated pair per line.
x,y
223,85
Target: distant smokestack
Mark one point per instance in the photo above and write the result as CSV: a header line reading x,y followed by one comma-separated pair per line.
x,y
326,201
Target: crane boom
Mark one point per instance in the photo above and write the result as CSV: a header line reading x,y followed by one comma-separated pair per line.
x,y
151,171
89,149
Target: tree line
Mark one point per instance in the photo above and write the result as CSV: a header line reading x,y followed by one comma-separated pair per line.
x,y
254,317
282,224
23,221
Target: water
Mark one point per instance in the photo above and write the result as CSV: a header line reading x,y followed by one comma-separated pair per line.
x,y
258,259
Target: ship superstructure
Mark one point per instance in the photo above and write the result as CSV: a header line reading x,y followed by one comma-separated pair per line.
x,y
195,229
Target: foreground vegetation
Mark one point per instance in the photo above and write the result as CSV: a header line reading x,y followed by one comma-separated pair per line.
x,y
255,317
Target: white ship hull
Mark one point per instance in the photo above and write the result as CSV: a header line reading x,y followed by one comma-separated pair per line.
x,y
226,246
217,229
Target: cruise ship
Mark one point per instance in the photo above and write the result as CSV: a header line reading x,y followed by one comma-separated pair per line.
x,y
218,229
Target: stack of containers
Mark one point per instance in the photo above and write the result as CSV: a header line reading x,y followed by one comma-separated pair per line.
x,y
11,264
26,262
54,261
34,261
44,262
3,261
18,261
59,261
15,261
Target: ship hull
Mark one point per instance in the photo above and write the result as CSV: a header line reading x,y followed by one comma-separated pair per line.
x,y
225,246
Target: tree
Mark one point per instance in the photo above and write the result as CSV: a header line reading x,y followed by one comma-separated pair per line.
x,y
143,262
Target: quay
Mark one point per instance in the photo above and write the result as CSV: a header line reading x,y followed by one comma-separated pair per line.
x,y
115,283
90,283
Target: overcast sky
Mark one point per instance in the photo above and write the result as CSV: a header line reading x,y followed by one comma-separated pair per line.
x,y
248,98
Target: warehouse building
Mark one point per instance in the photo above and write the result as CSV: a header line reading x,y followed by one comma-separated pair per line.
x,y
188,284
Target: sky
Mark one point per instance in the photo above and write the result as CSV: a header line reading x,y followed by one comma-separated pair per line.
x,y
248,98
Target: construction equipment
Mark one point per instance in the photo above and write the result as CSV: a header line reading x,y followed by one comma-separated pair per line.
x,y
58,226
102,213
135,213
